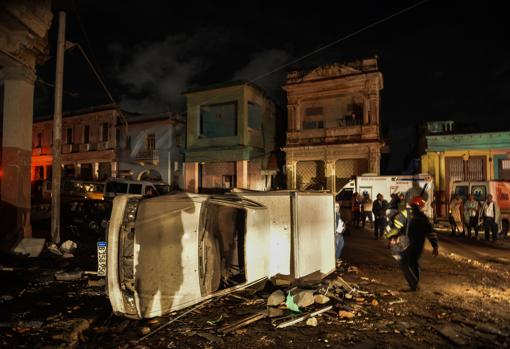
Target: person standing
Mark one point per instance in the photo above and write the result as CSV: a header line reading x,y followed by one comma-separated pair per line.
x,y
455,214
339,233
491,215
366,205
406,235
379,209
356,210
471,207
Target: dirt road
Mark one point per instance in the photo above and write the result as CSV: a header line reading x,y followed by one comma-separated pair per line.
x,y
463,301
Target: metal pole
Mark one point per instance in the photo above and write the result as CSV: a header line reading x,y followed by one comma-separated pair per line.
x,y
57,131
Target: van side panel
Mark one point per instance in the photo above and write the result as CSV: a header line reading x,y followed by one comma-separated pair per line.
x,y
314,234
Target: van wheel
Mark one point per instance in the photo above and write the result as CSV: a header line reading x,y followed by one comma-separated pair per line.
x,y
504,228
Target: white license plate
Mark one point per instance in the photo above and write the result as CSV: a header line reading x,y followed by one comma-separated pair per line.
x,y
101,258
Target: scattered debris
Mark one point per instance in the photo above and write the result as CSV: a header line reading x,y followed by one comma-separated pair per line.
x,y
343,284
30,247
276,298
374,302
68,275
6,298
53,248
243,322
345,314
312,322
210,337
321,299
304,317
145,330
352,269
2,268
275,312
449,332
68,246
398,301
304,298
214,322
96,283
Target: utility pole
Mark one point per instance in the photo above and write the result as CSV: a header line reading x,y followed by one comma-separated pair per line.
x,y
57,131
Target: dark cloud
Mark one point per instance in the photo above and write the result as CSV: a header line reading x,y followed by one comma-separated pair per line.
x,y
153,75
260,70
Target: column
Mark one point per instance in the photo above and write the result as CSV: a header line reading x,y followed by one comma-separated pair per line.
x,y
366,108
114,169
330,175
290,169
17,149
77,170
191,177
242,174
95,170
374,158
374,109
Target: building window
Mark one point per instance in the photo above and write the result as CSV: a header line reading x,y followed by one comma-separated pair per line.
x,y
313,111
505,164
104,131
254,116
150,142
308,125
69,135
86,134
178,141
39,140
228,181
218,120
128,142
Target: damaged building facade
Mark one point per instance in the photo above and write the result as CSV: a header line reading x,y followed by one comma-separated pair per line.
x,y
333,124
230,136
88,144
99,143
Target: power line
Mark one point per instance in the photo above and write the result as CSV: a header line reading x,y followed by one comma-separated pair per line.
x,y
341,39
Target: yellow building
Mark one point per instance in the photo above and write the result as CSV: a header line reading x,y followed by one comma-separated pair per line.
x,y
465,157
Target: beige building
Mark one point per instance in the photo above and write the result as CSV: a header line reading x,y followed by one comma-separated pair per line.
x,y
230,135
89,141
333,124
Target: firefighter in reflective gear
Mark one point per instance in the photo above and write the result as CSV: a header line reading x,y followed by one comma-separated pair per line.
x,y
406,234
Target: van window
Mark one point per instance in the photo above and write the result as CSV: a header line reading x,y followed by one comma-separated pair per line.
x,y
345,194
135,189
150,191
162,189
480,192
116,187
462,191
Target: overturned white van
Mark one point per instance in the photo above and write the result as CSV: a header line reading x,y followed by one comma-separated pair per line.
x,y
170,252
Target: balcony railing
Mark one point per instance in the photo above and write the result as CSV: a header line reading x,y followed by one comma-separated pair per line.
x,y
151,155
333,135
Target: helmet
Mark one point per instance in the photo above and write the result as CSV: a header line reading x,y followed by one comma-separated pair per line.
x,y
417,201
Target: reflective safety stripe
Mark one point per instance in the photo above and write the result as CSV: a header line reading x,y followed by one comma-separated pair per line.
x,y
398,224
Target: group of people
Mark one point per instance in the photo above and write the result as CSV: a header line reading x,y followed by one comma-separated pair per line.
x,y
466,216
377,212
402,223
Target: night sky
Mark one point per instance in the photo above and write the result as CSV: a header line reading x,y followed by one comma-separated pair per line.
x,y
440,60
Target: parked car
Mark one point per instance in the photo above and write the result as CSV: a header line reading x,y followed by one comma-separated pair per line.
x,y
85,218
116,187
169,252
